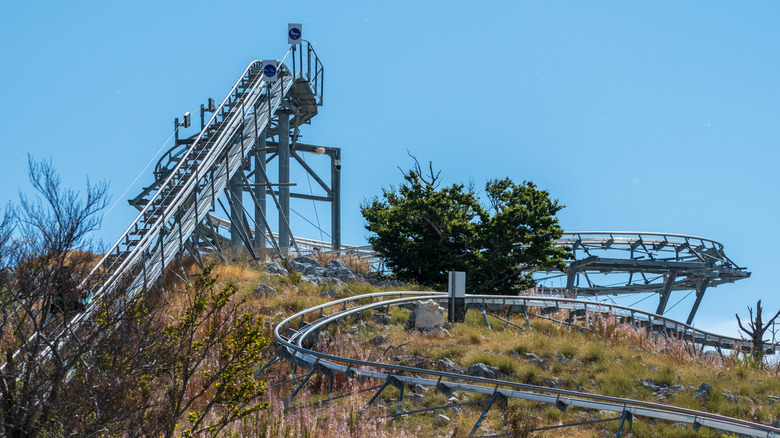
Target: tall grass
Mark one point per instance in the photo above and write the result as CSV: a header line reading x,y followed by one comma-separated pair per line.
x,y
597,354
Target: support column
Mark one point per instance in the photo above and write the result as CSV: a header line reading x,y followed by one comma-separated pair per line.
x,y
665,294
335,203
283,155
236,215
571,276
702,287
260,157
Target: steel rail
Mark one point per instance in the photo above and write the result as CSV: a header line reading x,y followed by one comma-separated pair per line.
x,y
294,344
640,233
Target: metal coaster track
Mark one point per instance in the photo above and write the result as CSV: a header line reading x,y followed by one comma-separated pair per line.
x,y
291,343
189,179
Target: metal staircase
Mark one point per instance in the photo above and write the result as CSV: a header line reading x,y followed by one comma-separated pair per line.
x,y
190,176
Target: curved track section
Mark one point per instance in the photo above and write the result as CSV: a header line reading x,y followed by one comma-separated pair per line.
x,y
609,263
649,262
292,344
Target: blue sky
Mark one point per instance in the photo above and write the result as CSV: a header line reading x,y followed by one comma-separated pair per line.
x,y
638,116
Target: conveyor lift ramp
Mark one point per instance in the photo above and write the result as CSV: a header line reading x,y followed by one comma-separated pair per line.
x,y
184,194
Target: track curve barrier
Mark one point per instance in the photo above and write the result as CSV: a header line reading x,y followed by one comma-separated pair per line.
x,y
292,344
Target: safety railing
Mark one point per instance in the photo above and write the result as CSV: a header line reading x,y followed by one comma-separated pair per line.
x,y
309,67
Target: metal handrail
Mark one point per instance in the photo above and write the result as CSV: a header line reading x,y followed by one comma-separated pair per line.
x,y
641,233
318,82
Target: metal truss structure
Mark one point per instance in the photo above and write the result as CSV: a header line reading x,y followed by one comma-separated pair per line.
x,y
292,344
257,122
609,263
641,262
176,210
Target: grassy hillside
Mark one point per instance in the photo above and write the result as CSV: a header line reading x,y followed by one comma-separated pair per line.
x,y
611,359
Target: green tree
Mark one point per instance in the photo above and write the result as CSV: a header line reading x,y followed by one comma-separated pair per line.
x,y
422,231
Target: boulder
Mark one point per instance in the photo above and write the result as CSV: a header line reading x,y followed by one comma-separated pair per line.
x,y
441,420
436,331
555,382
265,290
447,365
336,269
705,389
648,383
427,316
276,269
483,370
306,266
419,389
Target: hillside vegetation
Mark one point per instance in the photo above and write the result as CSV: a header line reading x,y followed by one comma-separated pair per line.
x,y
609,359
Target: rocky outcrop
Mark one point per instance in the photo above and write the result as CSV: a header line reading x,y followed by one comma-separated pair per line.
x,y
276,269
334,272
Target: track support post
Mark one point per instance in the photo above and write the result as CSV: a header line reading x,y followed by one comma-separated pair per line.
x,y
457,296
702,287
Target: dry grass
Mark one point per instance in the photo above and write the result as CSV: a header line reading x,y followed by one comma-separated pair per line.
x,y
609,359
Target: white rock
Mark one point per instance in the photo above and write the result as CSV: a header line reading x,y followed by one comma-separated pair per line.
x,y
428,315
441,420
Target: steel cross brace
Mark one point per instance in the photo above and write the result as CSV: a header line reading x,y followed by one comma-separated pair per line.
x,y
497,396
391,380
580,423
315,367
481,309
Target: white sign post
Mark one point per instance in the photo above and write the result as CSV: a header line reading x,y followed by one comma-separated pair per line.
x,y
270,70
294,33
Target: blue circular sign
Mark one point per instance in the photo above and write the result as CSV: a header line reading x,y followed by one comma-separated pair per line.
x,y
269,70
295,33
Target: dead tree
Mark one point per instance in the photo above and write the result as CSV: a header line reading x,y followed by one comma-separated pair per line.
x,y
756,331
